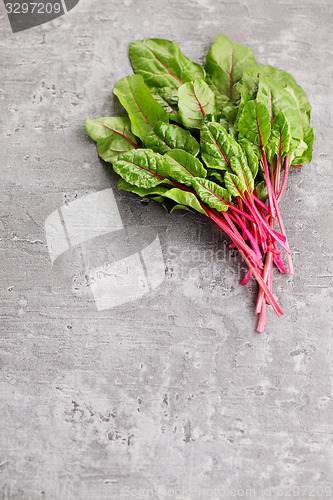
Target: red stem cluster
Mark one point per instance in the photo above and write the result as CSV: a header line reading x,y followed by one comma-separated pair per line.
x,y
250,225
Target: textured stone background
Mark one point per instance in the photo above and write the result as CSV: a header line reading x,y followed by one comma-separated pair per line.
x,y
173,395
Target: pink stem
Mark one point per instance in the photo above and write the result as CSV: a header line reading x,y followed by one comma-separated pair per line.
x,y
270,278
279,263
261,203
268,183
277,174
246,257
262,319
246,278
262,285
246,232
263,222
285,177
260,300
235,236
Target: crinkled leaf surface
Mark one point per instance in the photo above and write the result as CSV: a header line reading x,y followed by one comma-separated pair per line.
x,y
211,193
182,167
143,110
303,118
113,136
285,100
233,184
215,176
170,95
238,178
250,156
276,94
164,103
283,78
240,167
217,146
248,84
278,80
143,168
162,64
223,104
265,95
168,98
196,100
220,150
254,123
225,64
279,141
165,137
297,113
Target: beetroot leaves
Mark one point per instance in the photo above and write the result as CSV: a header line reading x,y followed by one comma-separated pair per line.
x,y
218,140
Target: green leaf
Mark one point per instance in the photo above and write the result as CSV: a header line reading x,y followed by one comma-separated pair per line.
x,y
196,100
240,174
165,137
164,103
234,184
113,136
304,116
211,193
225,64
180,207
254,123
265,95
126,186
170,95
215,176
298,149
306,156
217,146
143,168
248,84
283,78
223,104
280,137
231,124
182,167
183,199
250,156
285,100
143,110
239,165
220,150
261,190
278,91
159,199
162,64
168,98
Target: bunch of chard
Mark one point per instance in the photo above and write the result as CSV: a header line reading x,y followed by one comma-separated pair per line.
x,y
218,140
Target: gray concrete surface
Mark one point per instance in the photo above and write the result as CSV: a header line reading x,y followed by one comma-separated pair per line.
x,y
171,395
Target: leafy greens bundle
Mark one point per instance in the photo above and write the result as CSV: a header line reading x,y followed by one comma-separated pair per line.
x,y
218,140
